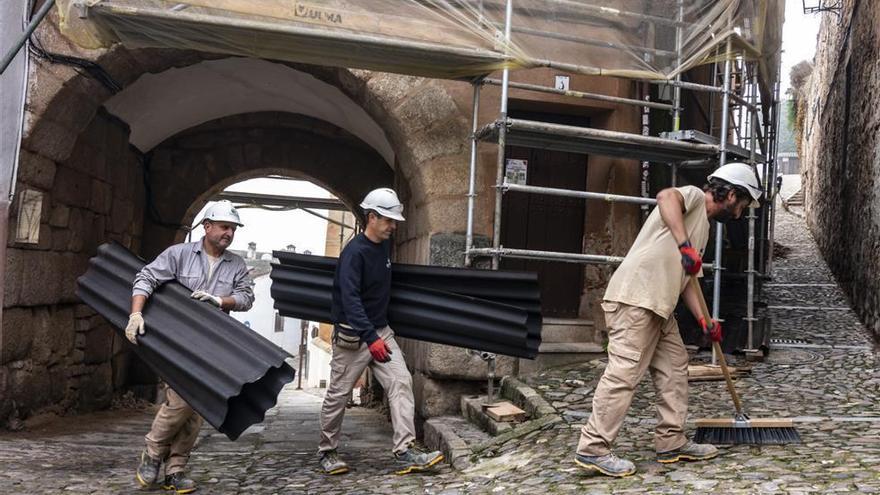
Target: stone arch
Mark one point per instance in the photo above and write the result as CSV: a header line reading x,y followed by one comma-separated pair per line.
x,y
185,170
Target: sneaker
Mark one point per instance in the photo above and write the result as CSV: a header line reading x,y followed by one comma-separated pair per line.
x,y
414,459
179,483
609,464
148,471
332,464
689,452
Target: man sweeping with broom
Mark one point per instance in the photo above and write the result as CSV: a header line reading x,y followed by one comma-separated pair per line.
x,y
642,332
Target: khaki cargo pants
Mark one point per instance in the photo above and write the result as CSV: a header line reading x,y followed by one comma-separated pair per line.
x,y
174,432
638,340
346,366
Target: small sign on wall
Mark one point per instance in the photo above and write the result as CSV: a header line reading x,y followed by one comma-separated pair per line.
x,y
27,229
562,82
516,171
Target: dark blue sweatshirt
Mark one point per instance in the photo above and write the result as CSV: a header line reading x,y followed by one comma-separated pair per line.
x,y
362,287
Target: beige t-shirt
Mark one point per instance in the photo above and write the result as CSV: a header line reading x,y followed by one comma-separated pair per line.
x,y
651,275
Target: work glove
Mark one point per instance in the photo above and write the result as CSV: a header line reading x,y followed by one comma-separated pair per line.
x,y
380,351
690,258
209,298
714,333
135,327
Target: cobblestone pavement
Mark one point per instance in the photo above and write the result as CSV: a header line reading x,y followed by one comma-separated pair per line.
x,y
824,373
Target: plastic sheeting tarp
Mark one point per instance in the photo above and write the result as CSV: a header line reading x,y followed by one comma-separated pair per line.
x,y
648,39
493,311
227,372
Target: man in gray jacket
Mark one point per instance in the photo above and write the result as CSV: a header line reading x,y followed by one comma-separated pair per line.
x,y
217,277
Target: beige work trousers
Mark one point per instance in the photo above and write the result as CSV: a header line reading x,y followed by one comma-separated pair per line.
x,y
174,432
346,366
638,339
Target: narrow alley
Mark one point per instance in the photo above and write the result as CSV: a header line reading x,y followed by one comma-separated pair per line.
x,y
822,371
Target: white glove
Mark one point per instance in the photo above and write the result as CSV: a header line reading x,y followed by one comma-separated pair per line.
x,y
135,327
204,296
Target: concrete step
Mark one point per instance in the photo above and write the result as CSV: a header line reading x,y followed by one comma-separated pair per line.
x,y
568,330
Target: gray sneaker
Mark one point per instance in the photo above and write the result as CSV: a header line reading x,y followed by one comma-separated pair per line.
x,y
688,452
609,464
414,459
332,464
148,471
179,483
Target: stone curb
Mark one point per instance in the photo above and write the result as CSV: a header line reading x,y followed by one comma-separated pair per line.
x,y
525,397
440,436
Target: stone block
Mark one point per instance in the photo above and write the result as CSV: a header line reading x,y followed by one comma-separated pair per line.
x,y
77,235
98,345
50,139
31,387
53,334
95,388
14,276
102,197
448,249
440,397
35,170
18,334
430,103
455,363
60,239
83,311
121,214
59,216
77,190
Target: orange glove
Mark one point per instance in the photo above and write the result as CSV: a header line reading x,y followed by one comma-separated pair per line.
x,y
380,351
714,333
690,258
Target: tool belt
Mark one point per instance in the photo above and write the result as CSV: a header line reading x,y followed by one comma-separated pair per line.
x,y
346,337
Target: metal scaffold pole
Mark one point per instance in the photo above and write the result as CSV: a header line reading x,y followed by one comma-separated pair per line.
x,y
750,301
676,92
502,139
719,227
472,178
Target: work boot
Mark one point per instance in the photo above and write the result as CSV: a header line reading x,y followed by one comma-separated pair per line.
x,y
688,452
332,464
179,483
608,464
414,459
148,471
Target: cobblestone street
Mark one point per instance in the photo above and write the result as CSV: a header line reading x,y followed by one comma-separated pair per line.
x,y
823,372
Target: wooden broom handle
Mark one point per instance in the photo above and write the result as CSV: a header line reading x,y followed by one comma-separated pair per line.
x,y
708,317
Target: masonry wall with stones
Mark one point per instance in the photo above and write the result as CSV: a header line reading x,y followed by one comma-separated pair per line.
x,y
56,354
841,153
79,157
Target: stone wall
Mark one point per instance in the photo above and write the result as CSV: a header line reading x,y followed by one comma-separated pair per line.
x,y
841,153
55,353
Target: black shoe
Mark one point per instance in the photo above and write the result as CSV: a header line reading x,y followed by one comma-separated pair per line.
x,y
179,483
414,459
148,471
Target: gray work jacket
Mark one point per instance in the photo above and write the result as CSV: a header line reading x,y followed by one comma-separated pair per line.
x,y
188,264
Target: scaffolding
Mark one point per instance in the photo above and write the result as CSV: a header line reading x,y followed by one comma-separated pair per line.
x,y
470,39
747,133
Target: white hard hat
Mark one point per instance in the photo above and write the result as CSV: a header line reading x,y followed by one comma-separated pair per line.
x,y
222,211
740,174
384,201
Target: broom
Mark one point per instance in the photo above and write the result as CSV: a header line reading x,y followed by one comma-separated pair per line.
x,y
741,429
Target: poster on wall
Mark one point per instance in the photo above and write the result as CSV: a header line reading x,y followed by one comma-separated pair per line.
x,y
516,171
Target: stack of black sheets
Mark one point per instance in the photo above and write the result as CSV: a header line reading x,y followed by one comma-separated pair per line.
x,y
493,311
227,372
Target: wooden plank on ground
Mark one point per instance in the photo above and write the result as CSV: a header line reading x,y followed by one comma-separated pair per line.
x,y
702,373
504,412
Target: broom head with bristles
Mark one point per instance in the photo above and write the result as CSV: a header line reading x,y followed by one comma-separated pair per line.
x,y
741,430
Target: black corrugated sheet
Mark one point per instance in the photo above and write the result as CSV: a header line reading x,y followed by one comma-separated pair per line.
x,y
227,372
494,311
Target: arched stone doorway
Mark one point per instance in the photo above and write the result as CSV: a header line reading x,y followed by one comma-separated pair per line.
x,y
85,163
